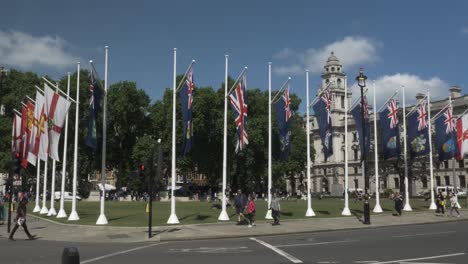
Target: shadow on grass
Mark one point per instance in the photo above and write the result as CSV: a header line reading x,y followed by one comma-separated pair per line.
x,y
324,212
202,217
118,218
185,217
287,214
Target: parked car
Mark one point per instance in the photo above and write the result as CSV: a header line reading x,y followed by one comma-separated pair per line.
x,y
68,196
449,189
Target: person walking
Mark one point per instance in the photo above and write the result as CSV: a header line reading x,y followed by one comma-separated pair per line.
x,y
275,209
440,203
454,204
20,219
2,211
398,203
251,210
240,202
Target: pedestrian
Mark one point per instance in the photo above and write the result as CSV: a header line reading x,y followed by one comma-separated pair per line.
x,y
20,219
251,210
2,212
240,202
398,203
440,203
454,204
275,209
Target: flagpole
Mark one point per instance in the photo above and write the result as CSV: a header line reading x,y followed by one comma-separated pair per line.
x,y
37,208
268,215
74,215
310,212
346,210
377,208
62,213
173,217
102,220
52,211
429,131
44,209
223,216
407,206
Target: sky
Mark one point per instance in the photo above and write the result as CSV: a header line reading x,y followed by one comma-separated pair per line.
x,y
422,45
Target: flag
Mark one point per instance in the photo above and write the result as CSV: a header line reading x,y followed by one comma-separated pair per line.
x,y
94,105
16,133
283,118
26,127
445,135
186,100
462,136
239,108
418,131
390,135
322,109
357,115
39,140
57,108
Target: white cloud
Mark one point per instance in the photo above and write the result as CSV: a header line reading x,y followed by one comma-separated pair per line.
x,y
350,51
386,85
464,30
24,50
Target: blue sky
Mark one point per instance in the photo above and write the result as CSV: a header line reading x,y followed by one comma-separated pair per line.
x,y
422,45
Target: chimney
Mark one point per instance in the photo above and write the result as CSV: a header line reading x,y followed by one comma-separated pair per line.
x,y
455,91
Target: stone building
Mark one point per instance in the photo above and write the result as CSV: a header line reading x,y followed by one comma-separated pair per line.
x,y
328,175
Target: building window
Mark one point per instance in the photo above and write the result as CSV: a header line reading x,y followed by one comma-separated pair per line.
x,y
338,69
342,102
355,154
447,180
324,171
344,138
424,182
438,181
333,69
397,183
461,164
446,166
462,181
354,136
355,170
438,165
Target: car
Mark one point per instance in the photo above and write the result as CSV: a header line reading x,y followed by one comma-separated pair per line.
x,y
68,196
449,189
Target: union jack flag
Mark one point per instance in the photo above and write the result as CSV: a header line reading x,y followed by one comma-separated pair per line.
x,y
190,85
366,109
326,99
287,102
449,120
422,114
239,108
392,113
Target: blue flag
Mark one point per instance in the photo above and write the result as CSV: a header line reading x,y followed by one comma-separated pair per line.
x,y
94,106
357,115
322,111
446,144
418,132
186,100
283,118
389,132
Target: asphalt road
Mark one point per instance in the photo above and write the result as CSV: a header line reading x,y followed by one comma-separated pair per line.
x,y
430,243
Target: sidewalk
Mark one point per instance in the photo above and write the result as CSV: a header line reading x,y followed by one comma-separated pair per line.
x,y
48,230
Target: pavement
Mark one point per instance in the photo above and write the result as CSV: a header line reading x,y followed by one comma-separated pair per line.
x,y
49,230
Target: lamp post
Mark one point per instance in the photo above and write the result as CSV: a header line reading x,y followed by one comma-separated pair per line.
x,y
3,73
361,81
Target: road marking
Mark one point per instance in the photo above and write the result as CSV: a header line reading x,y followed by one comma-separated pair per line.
x,y
414,259
121,252
277,250
210,250
317,243
426,234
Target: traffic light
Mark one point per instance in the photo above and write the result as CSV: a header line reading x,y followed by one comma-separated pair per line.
x,y
16,163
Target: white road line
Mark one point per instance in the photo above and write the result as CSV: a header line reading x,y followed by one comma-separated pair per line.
x,y
277,250
121,252
317,243
425,234
414,259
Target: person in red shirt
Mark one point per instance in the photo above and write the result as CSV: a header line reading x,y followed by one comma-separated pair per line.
x,y
251,210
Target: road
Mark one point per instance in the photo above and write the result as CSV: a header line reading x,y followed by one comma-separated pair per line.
x,y
430,243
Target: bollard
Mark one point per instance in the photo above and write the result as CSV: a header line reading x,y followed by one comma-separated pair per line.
x,y
70,255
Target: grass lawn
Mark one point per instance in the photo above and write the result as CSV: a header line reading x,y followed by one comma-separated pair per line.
x,y
133,213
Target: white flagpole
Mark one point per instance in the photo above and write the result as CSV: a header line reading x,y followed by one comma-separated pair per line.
x,y
62,213
44,209
407,206
268,215
346,210
74,215
52,191
310,212
429,132
102,220
37,208
173,217
377,208
224,216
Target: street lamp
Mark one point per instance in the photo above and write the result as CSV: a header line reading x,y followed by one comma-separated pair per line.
x,y
361,81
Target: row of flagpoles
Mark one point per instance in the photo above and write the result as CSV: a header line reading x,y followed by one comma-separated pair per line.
x,y
36,135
